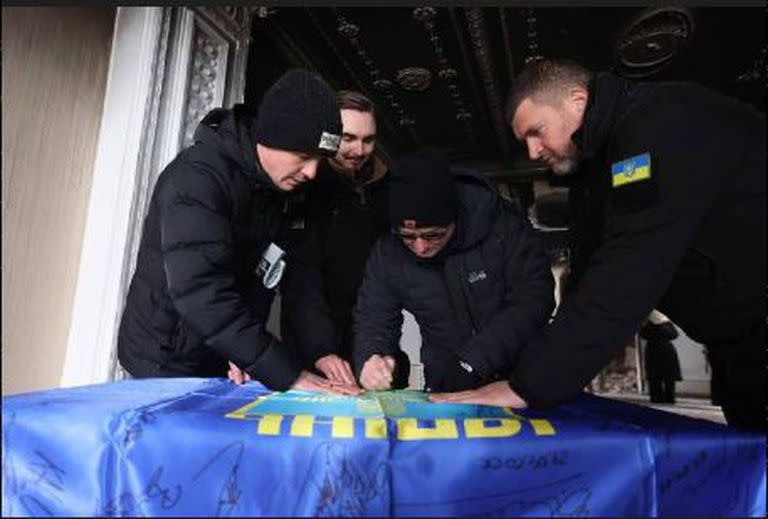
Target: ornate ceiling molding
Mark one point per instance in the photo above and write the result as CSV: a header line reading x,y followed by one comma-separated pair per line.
x,y
532,35
447,73
506,35
414,79
478,33
351,32
651,40
758,71
262,12
235,21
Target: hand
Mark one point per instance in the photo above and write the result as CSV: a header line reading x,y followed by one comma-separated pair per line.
x,y
237,375
310,382
497,394
377,373
336,369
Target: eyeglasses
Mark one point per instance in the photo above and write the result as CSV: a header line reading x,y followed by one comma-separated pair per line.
x,y
430,236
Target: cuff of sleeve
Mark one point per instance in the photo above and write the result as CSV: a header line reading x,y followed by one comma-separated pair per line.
x,y
274,369
530,398
360,360
402,370
478,364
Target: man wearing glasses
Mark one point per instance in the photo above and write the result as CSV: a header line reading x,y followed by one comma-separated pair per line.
x,y
465,264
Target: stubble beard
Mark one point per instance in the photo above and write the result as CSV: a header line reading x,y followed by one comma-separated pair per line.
x,y
567,164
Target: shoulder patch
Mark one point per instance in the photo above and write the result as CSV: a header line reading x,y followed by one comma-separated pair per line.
x,y
633,169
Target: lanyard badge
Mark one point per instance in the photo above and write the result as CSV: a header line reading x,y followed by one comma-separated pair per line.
x,y
271,266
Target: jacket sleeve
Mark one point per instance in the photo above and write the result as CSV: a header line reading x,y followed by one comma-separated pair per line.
x,y
378,313
528,302
649,228
196,243
307,317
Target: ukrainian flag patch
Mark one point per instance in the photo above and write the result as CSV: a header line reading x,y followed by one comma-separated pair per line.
x,y
631,170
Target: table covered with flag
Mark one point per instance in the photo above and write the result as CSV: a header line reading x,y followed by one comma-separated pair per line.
x,y
205,447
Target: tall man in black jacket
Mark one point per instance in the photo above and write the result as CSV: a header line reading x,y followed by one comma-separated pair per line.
x,y
465,264
675,176
335,222
212,247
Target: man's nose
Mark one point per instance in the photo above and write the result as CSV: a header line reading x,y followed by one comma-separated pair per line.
x,y
310,169
357,149
420,245
534,149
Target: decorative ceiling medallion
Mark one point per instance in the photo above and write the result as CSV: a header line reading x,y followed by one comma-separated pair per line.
x,y
414,79
758,70
351,31
424,14
447,74
533,38
652,39
263,11
382,84
348,30
463,115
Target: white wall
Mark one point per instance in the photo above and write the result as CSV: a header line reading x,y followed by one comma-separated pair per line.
x,y
54,62
693,366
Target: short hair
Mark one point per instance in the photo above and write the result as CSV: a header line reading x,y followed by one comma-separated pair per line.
x,y
546,77
353,100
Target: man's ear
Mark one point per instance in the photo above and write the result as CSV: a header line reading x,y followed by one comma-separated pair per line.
x,y
577,97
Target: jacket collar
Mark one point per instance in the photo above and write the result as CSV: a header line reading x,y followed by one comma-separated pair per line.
x,y
606,91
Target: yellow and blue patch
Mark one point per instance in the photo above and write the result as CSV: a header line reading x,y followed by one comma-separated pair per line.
x,y
633,169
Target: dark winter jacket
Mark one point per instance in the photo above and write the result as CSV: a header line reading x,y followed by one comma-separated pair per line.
x,y
661,361
478,301
334,223
195,300
689,240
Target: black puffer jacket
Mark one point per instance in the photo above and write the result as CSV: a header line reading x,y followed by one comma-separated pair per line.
x,y
478,301
336,221
194,301
334,224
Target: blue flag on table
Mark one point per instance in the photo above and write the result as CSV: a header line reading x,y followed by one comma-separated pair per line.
x,y
174,447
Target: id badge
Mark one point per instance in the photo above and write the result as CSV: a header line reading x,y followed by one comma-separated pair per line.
x,y
271,266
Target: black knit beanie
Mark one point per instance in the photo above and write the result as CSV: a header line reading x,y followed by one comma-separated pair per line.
x,y
299,113
422,192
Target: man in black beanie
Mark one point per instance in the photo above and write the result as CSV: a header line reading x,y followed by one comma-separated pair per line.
x,y
213,244
467,266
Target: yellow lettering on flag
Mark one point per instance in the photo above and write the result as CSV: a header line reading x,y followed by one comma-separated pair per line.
x,y
375,428
480,428
241,413
542,427
303,425
343,427
269,425
445,429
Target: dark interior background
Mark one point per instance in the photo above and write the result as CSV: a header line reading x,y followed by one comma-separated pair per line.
x,y
439,75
